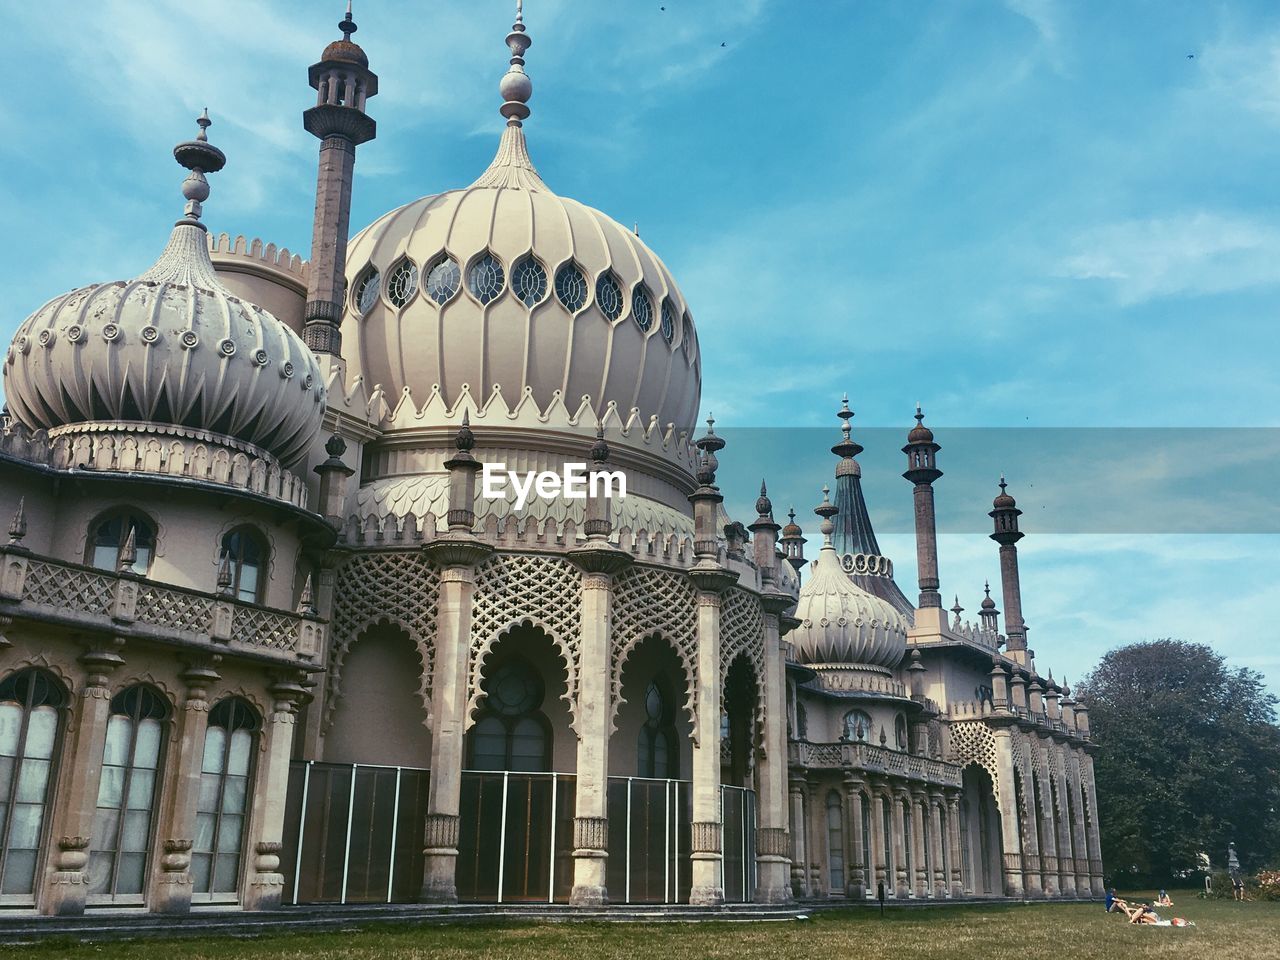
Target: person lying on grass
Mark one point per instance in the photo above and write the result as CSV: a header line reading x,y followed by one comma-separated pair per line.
x,y
1143,914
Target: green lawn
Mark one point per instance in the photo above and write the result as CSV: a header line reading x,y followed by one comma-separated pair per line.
x,y
1069,931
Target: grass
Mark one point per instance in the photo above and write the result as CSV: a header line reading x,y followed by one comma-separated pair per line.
x,y
1069,931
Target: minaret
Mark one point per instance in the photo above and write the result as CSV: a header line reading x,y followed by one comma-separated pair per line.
x,y
793,541
922,470
343,82
988,614
1005,513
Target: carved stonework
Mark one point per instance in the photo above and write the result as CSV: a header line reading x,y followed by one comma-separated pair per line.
x,y
441,832
590,833
773,842
706,837
176,860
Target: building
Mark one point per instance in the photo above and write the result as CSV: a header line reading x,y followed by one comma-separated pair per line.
x,y
270,632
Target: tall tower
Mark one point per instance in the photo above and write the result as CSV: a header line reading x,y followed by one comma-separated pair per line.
x,y
922,470
1005,514
343,83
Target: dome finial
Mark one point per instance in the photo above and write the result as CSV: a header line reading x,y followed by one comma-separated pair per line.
x,y
516,87
200,157
826,510
347,25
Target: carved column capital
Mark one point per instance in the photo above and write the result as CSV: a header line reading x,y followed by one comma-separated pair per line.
x,y
441,833
590,836
706,837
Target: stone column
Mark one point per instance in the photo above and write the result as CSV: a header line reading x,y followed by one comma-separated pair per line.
x,y
816,831
266,882
1080,843
1091,831
856,883
598,562
171,878
73,805
1048,835
707,842
919,843
953,840
772,843
901,889
878,841
1066,855
936,843
457,558
1010,827
799,832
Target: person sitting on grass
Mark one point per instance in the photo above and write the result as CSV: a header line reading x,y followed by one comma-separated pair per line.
x,y
1163,900
1112,900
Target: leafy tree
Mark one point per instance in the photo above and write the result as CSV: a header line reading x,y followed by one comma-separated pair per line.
x,y
1188,760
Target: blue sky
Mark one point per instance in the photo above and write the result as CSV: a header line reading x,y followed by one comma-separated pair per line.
x,y
1025,214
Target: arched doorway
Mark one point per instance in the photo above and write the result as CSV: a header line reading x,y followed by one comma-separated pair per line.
x,y
515,835
738,790
380,718
982,828
649,799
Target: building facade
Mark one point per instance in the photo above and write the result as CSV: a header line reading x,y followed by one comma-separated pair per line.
x,y
275,627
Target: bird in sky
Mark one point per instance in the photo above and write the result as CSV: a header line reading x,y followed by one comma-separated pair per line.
x,y
724,44
1191,56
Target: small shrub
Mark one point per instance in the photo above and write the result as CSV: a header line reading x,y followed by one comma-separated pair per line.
x,y
1266,885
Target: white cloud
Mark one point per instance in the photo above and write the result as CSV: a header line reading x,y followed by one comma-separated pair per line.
x,y
1194,253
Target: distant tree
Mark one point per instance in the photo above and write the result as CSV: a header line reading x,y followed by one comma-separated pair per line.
x,y
1188,761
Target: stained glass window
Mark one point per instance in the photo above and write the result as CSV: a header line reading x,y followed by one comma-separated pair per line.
x,y
486,278
443,279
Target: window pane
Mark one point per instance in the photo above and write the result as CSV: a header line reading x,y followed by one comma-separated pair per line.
x,y
233,794
203,839
141,787
33,777
99,870
227,873
241,742
210,785
6,777
42,730
119,735
19,871
104,557
137,824
146,753
142,560
229,833
200,864
215,744
10,727
24,831
248,581
111,787
104,829
132,869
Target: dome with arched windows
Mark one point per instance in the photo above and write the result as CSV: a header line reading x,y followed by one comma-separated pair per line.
x,y
506,285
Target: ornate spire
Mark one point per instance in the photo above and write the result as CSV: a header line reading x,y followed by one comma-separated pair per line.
x,y
826,510
846,449
956,610
18,525
200,157
511,167
764,506
347,25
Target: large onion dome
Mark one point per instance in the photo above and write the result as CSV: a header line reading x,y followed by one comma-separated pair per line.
x,y
172,347
842,624
507,284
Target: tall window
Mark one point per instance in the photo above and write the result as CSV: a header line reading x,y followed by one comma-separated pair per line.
x,y
909,853
30,703
108,535
127,793
223,806
658,752
246,553
867,863
835,843
512,733
900,731
857,725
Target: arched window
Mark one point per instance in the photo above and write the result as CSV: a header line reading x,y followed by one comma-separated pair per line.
x,y
571,287
802,722
110,532
835,843
222,811
867,863
486,278
900,731
512,733
658,752
126,793
444,279
244,554
857,725
30,703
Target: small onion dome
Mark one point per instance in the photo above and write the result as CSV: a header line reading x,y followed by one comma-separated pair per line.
x,y
987,602
840,623
345,51
920,433
1003,499
792,529
171,347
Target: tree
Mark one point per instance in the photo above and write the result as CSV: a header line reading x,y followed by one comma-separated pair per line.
x,y
1188,760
